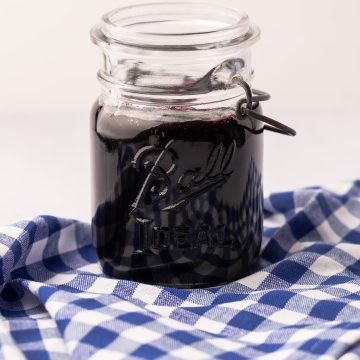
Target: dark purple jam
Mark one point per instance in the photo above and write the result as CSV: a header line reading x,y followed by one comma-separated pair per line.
x,y
177,203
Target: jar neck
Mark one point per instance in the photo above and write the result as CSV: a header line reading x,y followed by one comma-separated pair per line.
x,y
164,54
176,84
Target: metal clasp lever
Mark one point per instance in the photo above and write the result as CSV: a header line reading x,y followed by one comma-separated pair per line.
x,y
253,97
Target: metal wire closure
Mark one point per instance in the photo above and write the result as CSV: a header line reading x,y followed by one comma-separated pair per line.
x,y
253,97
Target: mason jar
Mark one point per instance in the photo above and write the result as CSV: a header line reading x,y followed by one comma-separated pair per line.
x,y
177,177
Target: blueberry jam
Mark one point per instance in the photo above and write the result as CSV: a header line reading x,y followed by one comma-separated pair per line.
x,y
176,203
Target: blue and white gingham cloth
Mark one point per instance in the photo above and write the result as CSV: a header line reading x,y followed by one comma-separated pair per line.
x,y
302,302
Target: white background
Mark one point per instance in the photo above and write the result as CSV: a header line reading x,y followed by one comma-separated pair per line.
x,y
308,58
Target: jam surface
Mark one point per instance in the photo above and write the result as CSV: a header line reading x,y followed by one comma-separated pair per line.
x,y
176,203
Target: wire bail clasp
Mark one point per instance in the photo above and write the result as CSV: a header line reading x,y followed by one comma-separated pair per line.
x,y
253,97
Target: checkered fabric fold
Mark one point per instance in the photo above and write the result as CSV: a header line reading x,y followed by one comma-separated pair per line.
x,y
301,302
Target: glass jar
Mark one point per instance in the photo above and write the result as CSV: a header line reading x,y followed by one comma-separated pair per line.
x,y
177,178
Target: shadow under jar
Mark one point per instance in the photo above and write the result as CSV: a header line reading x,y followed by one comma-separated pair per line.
x,y
177,178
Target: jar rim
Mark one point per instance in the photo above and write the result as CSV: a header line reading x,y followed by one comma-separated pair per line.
x,y
179,26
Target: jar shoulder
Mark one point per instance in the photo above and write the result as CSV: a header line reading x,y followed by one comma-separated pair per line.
x,y
94,112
